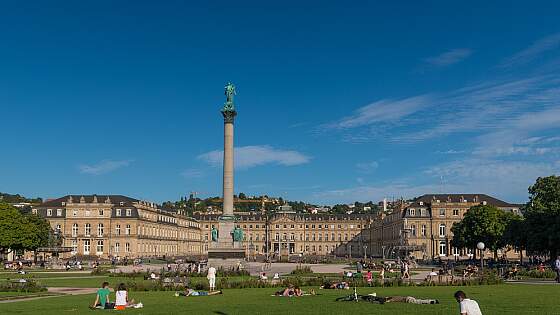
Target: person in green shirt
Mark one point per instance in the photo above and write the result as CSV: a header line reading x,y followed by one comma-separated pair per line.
x,y
102,298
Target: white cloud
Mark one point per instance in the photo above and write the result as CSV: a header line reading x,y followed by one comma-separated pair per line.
x,y
192,173
538,47
250,156
383,111
103,167
367,167
449,57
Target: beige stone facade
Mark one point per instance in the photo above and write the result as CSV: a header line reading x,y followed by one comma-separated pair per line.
x,y
286,235
422,228
119,226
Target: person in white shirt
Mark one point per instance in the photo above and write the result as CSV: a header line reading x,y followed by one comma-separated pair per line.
x,y
557,266
467,306
212,278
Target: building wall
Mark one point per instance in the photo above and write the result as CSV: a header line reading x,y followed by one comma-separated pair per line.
x,y
294,234
427,225
120,227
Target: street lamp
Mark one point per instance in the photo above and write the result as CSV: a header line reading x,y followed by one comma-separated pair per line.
x,y
481,246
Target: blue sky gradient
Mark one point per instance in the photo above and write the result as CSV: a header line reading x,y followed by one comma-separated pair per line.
x,y
337,101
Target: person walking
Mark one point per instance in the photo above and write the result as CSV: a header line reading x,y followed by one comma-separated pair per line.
x,y
212,278
467,306
557,267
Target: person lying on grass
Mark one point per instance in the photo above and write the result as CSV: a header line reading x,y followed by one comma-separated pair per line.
x,y
293,291
388,299
102,298
336,285
191,292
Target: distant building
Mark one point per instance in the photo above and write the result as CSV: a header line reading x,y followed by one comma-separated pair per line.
x,y
119,226
422,227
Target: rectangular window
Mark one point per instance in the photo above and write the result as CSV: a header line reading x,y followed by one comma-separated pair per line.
x,y
442,230
117,247
118,229
441,212
100,229
87,230
413,230
128,212
86,247
119,212
100,212
423,230
127,231
74,247
411,212
99,247
127,247
49,212
74,230
456,212
442,248
58,212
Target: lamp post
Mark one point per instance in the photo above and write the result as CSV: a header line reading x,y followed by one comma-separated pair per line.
x,y
481,246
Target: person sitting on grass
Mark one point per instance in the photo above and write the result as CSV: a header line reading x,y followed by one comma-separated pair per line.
x,y
121,299
289,291
191,292
467,306
102,298
389,299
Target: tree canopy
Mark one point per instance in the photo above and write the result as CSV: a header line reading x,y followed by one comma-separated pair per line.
x,y
21,232
542,216
482,223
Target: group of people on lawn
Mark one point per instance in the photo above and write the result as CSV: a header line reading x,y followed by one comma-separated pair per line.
x,y
122,302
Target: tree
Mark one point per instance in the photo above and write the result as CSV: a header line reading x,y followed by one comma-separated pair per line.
x,y
21,232
542,216
482,223
516,234
242,196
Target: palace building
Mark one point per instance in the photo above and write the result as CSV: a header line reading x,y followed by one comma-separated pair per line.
x,y
285,234
118,226
422,227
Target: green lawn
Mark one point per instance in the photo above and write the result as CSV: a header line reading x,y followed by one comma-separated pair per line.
x,y
502,299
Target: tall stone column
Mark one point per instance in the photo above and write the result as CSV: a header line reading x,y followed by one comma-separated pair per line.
x,y
228,164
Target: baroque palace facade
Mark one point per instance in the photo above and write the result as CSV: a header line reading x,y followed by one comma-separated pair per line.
x,y
118,226
286,234
422,227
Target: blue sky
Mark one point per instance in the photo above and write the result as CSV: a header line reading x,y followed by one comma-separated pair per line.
x,y
337,101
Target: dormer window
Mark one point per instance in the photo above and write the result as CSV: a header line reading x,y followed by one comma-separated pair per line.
x,y
121,203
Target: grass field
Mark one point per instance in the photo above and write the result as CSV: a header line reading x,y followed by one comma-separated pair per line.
x,y
501,299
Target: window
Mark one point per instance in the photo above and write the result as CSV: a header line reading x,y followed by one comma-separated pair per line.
x,y
100,229
87,230
423,230
421,211
75,230
86,247
455,251
292,237
333,237
277,226
442,230
127,247
119,213
411,212
442,248
441,212
456,212
413,230
117,247
128,212
100,212
58,212
49,212
127,231
99,247
58,228
118,229
74,247
277,237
